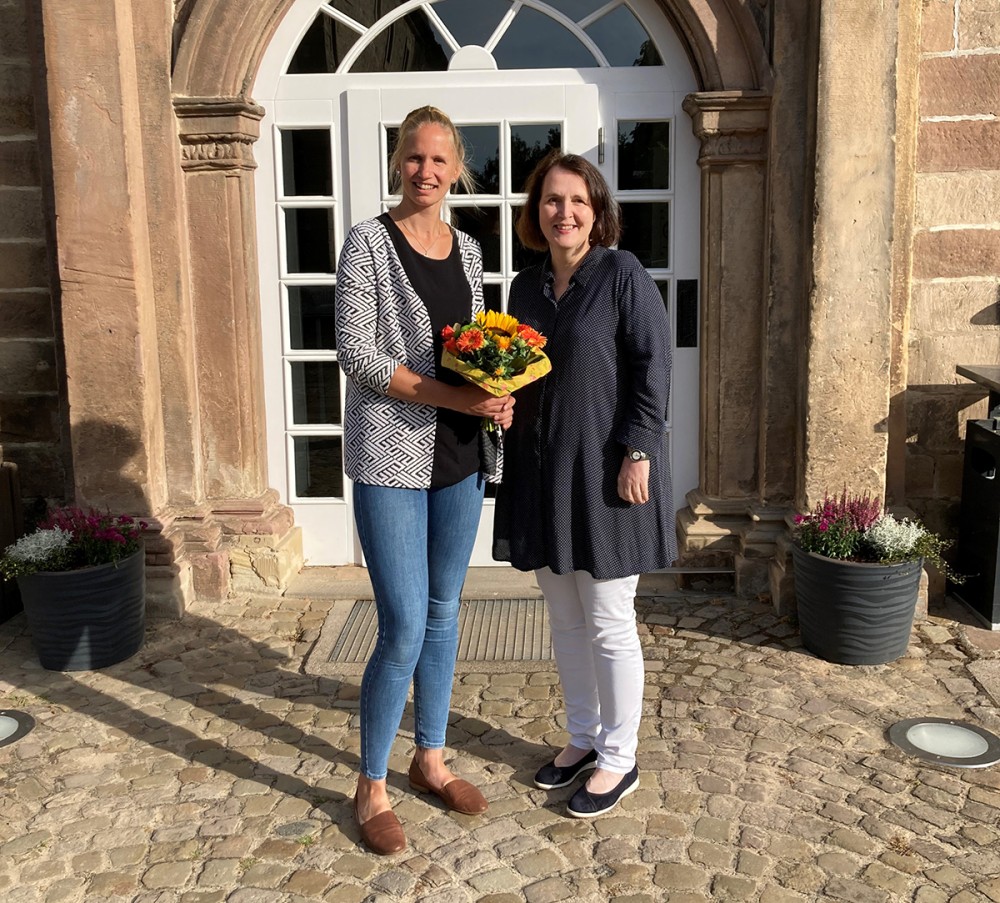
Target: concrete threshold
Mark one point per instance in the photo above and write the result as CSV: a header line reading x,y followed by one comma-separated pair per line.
x,y
351,582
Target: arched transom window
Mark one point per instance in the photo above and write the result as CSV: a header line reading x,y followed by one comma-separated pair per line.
x,y
437,35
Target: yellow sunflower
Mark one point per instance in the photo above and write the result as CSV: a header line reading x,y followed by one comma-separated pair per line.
x,y
497,322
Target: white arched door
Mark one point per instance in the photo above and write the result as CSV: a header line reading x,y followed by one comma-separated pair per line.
x,y
323,167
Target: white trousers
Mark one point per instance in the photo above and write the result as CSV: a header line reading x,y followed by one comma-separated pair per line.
x,y
599,657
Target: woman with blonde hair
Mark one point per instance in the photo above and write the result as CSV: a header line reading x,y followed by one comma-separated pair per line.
x,y
412,450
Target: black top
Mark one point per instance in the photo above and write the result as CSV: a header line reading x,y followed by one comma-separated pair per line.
x,y
442,286
609,343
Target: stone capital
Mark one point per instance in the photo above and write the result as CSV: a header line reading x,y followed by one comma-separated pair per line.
x,y
731,125
217,133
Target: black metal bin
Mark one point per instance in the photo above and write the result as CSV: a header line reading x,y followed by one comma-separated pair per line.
x,y
979,522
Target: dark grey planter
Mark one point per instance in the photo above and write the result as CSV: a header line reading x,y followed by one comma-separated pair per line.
x,y
853,613
89,618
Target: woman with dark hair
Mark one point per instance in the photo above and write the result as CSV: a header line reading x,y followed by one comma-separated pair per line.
x,y
411,448
586,498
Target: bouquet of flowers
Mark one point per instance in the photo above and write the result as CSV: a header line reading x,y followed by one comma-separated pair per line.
x,y
69,539
857,528
495,352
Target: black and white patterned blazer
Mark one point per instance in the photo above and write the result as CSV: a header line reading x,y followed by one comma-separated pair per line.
x,y
381,323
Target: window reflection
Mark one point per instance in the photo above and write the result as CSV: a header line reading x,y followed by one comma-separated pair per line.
x,y
577,9
643,155
687,313
623,40
364,11
319,466
472,23
323,47
491,297
310,317
482,146
536,41
391,139
309,240
528,144
315,392
305,161
646,232
409,44
483,224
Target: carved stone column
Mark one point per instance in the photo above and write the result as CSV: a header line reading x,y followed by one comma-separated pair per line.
x,y
847,370
261,546
106,297
725,521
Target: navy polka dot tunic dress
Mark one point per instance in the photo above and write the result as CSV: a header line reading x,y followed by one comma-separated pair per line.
x,y
609,342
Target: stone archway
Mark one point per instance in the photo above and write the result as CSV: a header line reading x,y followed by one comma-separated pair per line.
x,y
186,289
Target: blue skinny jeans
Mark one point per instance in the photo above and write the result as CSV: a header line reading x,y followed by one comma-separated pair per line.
x,y
417,545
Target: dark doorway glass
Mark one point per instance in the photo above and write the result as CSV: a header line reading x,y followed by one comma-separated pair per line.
x,y
306,165
309,246
646,232
537,41
323,47
319,466
482,146
623,40
483,224
315,392
528,145
472,23
409,44
643,155
311,318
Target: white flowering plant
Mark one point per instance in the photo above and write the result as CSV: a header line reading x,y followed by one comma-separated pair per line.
x,y
71,538
858,528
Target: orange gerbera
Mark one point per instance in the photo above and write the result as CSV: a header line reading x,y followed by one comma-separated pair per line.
x,y
531,337
470,340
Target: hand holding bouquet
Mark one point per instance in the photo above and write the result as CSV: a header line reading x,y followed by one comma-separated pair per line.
x,y
495,352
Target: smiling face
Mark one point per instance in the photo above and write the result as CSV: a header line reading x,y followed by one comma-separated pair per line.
x,y
429,166
565,215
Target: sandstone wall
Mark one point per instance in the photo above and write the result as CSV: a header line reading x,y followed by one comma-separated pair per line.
x,y
30,415
954,315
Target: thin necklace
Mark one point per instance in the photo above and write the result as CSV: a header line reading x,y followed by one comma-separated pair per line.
x,y
425,248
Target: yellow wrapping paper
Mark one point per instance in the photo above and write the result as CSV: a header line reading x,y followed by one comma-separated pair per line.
x,y
498,385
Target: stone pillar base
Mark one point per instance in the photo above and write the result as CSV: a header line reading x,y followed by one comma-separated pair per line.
x,y
265,564
781,578
758,544
215,550
731,533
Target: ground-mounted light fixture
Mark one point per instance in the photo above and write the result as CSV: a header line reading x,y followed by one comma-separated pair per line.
x,y
14,726
946,742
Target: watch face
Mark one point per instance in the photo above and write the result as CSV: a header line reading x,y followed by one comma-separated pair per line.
x,y
636,455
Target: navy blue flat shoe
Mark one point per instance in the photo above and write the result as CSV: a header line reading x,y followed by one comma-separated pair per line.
x,y
552,777
584,804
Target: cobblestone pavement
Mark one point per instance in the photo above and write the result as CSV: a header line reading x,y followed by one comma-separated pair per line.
x,y
210,767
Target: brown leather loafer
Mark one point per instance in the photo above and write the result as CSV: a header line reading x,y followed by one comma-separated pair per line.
x,y
382,833
458,795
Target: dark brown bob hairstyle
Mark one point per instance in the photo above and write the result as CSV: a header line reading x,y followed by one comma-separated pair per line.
x,y
607,214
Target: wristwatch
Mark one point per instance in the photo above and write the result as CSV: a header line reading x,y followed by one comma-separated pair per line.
x,y
636,455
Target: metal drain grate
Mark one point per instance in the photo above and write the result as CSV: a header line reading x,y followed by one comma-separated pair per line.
x,y
489,630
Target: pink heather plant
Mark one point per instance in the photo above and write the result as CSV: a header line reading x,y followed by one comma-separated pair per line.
x,y
835,526
857,528
71,538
